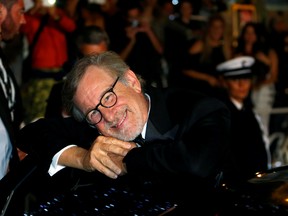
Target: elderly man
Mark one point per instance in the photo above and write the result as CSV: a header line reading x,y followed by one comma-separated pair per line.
x,y
184,152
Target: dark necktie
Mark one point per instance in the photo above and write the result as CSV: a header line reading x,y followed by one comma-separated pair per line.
x,y
139,140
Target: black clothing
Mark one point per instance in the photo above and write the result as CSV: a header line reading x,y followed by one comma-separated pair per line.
x,y
246,141
208,66
54,102
145,59
183,158
11,110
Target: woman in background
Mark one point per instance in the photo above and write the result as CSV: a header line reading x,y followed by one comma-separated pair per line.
x,y
252,42
204,55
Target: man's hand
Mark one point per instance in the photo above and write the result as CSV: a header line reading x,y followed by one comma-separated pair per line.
x,y
118,160
99,156
105,155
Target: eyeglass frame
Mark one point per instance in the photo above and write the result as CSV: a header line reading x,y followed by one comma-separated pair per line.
x,y
100,103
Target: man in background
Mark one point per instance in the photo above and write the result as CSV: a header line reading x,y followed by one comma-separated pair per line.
x,y
88,39
10,99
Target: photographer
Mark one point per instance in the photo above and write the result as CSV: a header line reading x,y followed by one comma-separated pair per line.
x,y
141,48
48,54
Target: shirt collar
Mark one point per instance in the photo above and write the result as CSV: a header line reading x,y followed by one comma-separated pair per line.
x,y
238,105
143,133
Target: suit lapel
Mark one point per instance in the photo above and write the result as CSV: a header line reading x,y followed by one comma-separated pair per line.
x,y
159,124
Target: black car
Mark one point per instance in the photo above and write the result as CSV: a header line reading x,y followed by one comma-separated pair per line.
x,y
30,192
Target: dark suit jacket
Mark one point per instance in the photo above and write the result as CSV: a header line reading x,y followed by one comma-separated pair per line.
x,y
12,126
185,150
247,144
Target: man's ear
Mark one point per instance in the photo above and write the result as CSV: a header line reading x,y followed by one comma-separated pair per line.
x,y
133,81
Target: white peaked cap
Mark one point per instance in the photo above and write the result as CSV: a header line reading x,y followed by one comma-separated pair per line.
x,y
238,66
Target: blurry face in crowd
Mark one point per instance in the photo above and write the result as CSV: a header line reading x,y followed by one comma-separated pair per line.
x,y
186,9
94,48
126,118
216,30
250,35
14,19
133,16
168,8
133,13
238,89
3,14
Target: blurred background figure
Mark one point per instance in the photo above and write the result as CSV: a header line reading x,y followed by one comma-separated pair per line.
x,y
87,12
139,46
248,140
253,42
47,55
278,120
191,28
91,39
11,112
281,99
180,34
88,39
278,27
204,55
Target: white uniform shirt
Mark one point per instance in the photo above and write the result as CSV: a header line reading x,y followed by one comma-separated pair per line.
x,y
5,143
5,150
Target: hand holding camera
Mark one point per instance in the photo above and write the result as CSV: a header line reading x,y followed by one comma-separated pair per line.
x,y
48,3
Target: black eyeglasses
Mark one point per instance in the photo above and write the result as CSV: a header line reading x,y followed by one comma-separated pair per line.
x,y
108,100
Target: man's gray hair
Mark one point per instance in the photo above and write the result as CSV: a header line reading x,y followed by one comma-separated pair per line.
x,y
91,35
108,61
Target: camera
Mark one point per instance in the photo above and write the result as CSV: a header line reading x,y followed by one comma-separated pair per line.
x,y
48,3
134,23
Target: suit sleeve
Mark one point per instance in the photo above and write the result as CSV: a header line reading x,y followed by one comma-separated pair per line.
x,y
45,137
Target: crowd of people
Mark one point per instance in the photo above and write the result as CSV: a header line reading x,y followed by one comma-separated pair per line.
x,y
156,38
103,74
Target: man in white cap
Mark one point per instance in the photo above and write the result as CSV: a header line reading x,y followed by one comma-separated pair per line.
x,y
249,143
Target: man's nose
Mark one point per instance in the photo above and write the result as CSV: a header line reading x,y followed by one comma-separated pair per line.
x,y
107,113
